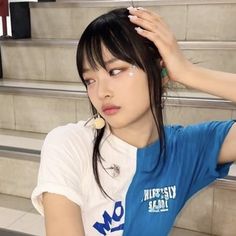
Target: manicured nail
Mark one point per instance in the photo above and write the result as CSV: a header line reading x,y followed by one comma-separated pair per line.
x,y
130,7
132,17
138,29
141,8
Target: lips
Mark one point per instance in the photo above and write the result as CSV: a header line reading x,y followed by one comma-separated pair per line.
x,y
110,109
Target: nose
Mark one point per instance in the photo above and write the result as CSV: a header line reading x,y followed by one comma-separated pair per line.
x,y
103,88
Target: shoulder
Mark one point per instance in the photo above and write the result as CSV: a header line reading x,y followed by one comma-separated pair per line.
x,y
72,142
203,126
69,134
198,133
68,147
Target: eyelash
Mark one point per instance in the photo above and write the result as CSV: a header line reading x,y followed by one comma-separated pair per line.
x,y
87,81
110,72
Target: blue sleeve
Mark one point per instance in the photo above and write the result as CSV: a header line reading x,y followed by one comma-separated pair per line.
x,y
198,152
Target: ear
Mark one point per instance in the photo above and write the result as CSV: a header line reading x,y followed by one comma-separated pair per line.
x,y
161,63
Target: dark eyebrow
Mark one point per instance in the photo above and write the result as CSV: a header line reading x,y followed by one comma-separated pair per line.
x,y
106,63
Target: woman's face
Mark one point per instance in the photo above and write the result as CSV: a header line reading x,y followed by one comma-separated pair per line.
x,y
119,92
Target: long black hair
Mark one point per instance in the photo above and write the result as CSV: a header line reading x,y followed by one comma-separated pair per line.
x,y
115,31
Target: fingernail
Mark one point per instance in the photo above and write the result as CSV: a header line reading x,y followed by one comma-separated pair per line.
x,y
141,8
130,7
138,29
132,17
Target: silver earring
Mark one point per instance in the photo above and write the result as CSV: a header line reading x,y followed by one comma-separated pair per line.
x,y
98,122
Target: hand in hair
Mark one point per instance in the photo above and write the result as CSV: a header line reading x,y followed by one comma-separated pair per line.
x,y
154,28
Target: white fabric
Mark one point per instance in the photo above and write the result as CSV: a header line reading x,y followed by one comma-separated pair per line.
x,y
66,169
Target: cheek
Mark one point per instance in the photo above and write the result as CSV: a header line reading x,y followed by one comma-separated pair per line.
x,y
91,97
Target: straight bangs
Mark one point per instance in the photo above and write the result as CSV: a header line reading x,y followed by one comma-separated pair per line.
x,y
115,32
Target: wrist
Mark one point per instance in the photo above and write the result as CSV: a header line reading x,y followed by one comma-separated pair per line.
x,y
185,73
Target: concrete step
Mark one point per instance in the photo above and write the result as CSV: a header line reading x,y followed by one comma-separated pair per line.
x,y
55,60
211,211
21,141
18,217
44,60
19,172
186,18
39,110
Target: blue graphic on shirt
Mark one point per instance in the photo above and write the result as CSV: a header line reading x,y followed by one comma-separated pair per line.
x,y
106,227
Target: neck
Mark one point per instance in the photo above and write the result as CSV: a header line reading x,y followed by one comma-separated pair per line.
x,y
139,134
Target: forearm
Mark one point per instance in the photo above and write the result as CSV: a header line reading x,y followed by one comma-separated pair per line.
x,y
217,83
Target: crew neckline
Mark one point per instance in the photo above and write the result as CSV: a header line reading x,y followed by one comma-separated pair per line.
x,y
123,144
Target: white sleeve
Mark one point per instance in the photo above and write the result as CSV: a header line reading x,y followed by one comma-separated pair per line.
x,y
60,168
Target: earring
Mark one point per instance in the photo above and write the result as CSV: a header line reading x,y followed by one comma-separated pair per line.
x,y
164,73
98,122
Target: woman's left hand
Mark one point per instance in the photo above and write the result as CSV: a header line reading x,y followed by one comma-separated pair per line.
x,y
153,27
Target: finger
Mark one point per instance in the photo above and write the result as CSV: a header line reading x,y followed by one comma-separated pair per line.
x,y
154,37
151,23
150,26
147,25
140,11
145,14
158,39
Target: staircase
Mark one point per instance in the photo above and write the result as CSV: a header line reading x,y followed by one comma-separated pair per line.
x,y
41,89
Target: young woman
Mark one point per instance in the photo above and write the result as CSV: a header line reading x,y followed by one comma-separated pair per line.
x,y
124,172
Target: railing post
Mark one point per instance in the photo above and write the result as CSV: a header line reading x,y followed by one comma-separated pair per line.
x,y
4,12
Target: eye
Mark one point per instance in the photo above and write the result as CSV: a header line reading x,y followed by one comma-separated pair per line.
x,y
89,81
114,72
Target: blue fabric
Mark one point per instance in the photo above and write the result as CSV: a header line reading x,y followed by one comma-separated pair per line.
x,y
163,183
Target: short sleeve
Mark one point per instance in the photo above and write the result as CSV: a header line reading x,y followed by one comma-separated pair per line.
x,y
60,168
198,153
